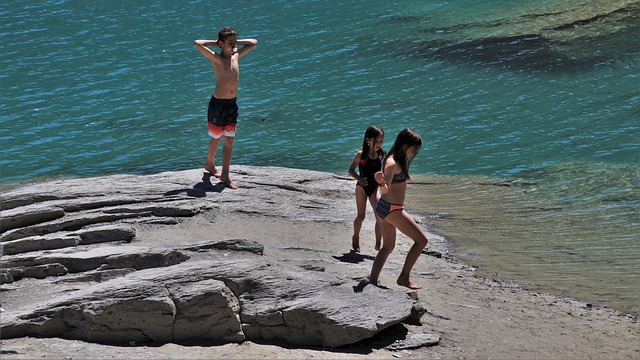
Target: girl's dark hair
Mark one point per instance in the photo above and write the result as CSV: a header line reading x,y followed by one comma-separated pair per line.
x,y
372,132
226,32
406,139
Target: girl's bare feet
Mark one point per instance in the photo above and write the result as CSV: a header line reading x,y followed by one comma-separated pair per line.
x,y
355,243
405,280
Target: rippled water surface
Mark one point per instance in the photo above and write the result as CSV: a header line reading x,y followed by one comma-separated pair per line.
x,y
529,111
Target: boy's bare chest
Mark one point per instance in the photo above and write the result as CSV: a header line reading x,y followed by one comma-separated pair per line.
x,y
227,68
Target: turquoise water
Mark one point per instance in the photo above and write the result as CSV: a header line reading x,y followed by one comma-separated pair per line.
x,y
544,95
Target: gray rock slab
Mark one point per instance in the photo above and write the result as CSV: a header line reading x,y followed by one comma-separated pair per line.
x,y
216,300
16,218
5,277
415,341
70,222
120,292
106,257
37,243
105,233
192,190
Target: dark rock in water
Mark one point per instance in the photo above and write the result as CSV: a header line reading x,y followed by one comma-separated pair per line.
x,y
573,38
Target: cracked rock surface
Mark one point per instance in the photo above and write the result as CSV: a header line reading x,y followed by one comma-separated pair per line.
x,y
128,258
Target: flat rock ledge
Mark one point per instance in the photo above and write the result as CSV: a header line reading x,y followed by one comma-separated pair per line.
x,y
77,234
225,300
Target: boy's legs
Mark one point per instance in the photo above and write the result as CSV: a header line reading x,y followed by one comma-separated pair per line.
x,y
209,165
227,151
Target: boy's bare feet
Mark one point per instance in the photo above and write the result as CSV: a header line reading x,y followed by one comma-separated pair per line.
x,y
230,183
355,243
405,280
211,169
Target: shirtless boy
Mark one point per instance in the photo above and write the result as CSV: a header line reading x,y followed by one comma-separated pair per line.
x,y
222,113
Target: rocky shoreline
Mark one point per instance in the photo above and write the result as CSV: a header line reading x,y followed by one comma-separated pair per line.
x,y
177,266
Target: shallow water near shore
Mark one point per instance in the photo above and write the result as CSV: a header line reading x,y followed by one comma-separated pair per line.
x,y
538,99
520,230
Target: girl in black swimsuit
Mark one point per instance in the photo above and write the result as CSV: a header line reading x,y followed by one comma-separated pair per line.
x,y
368,160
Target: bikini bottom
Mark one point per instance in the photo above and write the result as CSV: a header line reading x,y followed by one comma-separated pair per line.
x,y
384,208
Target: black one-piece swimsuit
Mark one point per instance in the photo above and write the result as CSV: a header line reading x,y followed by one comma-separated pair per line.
x,y
367,168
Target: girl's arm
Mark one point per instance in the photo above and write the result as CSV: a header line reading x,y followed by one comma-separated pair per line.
x,y
383,179
354,164
247,45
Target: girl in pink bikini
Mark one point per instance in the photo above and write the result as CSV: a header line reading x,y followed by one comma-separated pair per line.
x,y
392,183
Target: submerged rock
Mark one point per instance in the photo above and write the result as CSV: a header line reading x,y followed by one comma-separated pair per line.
x,y
540,38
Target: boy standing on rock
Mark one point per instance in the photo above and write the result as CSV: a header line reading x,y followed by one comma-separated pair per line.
x,y
222,113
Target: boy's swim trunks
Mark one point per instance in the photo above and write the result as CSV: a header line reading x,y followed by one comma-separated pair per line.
x,y
222,115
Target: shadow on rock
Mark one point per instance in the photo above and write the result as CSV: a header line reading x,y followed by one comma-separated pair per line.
x,y
364,283
200,189
353,257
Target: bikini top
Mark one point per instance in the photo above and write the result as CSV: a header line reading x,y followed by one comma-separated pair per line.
x,y
399,178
